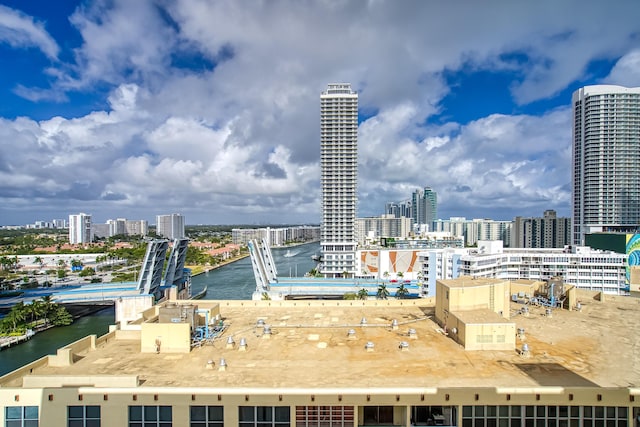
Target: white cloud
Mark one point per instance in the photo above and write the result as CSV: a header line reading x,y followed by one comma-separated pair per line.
x,y
626,72
22,31
237,139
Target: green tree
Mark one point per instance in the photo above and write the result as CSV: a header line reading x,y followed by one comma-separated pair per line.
x,y
401,292
89,271
60,316
382,292
16,317
363,294
62,274
38,260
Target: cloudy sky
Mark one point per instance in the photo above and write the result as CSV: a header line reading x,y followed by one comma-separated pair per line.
x,y
124,108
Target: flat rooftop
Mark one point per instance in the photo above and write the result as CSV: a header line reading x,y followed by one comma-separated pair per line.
x,y
309,348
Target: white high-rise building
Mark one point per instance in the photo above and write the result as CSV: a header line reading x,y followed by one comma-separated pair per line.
x,y
80,229
606,160
170,226
339,166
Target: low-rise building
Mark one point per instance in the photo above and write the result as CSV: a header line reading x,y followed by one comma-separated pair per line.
x,y
341,363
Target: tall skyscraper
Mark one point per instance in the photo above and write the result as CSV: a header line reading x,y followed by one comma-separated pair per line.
x,y
170,226
424,204
606,160
80,229
339,177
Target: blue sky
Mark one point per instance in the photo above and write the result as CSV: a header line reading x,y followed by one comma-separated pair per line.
x,y
133,109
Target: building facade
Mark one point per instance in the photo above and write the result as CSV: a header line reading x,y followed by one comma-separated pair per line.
x,y
170,226
476,229
327,363
424,207
276,236
80,230
372,229
606,160
550,231
339,178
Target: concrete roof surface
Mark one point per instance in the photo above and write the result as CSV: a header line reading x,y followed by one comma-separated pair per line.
x,y
309,348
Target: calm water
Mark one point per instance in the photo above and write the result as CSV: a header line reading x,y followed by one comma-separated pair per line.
x,y
234,281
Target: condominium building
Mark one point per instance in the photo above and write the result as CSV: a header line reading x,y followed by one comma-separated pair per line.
x,y
139,227
550,231
170,226
424,207
370,230
117,226
80,228
276,236
476,229
606,160
398,210
339,177
462,359
581,266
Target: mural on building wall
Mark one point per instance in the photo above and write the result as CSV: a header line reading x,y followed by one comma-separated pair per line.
x,y
633,256
370,260
403,261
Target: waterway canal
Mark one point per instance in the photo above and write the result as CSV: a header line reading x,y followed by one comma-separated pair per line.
x,y
233,281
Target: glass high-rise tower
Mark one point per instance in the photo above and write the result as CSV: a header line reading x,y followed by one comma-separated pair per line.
x,y
606,160
339,177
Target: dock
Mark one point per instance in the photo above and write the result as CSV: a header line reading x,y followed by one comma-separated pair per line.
x,y
6,342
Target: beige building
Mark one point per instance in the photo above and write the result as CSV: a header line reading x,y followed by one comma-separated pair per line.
x,y
340,363
475,312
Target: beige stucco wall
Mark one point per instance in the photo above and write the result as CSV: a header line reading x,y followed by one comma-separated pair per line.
x,y
173,337
462,295
53,403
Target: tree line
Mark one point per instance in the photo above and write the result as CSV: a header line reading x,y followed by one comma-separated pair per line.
x,y
38,314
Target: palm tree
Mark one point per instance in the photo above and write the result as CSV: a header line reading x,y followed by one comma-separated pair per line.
x,y
47,307
16,316
363,294
402,291
385,274
382,292
38,260
400,274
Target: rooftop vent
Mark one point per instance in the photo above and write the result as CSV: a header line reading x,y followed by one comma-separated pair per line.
x,y
394,324
230,342
243,344
210,364
363,321
267,332
548,312
260,323
369,346
404,346
521,333
351,334
223,365
412,334
525,351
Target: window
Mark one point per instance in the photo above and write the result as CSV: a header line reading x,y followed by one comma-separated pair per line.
x,y
324,416
206,416
264,416
83,416
150,416
374,415
21,416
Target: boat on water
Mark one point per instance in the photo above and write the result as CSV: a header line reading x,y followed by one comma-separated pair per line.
x,y
289,254
316,257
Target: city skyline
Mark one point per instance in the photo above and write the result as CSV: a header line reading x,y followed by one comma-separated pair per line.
x,y
127,109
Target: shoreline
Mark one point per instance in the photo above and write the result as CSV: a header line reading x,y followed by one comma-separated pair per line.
x,y
230,261
213,267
